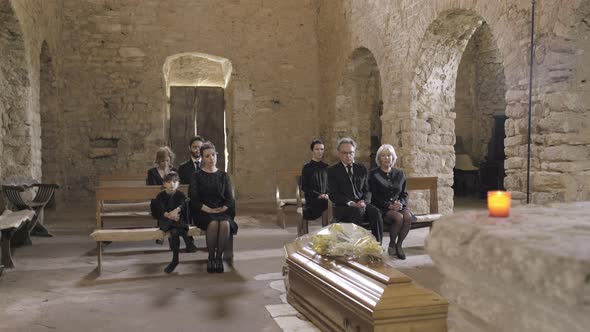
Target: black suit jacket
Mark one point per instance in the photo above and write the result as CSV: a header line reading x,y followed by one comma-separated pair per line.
x,y
154,178
340,188
186,171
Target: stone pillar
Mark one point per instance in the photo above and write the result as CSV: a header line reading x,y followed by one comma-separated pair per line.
x,y
527,272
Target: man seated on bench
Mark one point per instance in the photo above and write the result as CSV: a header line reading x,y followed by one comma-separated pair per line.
x,y
388,189
348,187
171,211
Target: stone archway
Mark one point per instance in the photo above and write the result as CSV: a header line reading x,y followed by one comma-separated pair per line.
x,y
433,92
15,133
359,105
200,70
480,108
50,119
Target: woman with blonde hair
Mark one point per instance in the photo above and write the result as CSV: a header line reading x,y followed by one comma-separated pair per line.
x,y
163,166
388,187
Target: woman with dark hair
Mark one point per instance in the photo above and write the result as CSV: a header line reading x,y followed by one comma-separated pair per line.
x,y
314,183
163,161
213,203
388,187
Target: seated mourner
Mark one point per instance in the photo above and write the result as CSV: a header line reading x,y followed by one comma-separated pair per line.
x,y
164,159
314,182
171,211
349,190
388,188
213,202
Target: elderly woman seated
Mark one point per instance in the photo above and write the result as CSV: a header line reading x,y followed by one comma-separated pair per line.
x,y
388,188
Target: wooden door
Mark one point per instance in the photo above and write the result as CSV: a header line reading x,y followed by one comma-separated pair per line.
x,y
211,119
197,110
183,112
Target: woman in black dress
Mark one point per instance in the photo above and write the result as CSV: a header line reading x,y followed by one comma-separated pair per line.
x,y
388,189
314,183
164,160
213,202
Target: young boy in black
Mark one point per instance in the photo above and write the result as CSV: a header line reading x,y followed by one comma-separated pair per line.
x,y
170,209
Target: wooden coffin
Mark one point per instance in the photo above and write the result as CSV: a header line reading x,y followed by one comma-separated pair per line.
x,y
340,295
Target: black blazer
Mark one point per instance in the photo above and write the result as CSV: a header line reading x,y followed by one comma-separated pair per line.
x,y
154,178
388,187
340,188
186,171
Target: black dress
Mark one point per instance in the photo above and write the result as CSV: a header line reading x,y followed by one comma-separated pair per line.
x,y
314,182
165,202
388,187
213,190
154,178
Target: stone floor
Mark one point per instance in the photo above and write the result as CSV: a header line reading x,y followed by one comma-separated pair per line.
x,y
54,286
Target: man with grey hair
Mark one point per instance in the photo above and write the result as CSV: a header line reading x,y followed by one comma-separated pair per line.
x,y
348,188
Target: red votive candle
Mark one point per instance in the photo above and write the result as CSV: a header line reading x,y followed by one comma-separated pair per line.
x,y
499,203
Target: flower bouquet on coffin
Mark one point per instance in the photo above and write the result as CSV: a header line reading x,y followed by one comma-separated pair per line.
x,y
345,240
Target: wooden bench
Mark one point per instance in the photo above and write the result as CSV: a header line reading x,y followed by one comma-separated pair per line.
x,y
430,184
132,205
422,183
10,223
121,180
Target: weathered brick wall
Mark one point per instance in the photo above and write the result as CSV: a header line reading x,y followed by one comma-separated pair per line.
x,y
25,25
418,46
115,90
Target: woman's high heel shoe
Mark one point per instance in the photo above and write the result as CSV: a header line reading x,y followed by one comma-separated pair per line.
x,y
219,267
211,266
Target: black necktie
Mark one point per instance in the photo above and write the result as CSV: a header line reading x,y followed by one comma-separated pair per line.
x,y
351,177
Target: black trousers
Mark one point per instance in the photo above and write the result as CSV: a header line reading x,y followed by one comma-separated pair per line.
x,y
167,225
369,215
314,207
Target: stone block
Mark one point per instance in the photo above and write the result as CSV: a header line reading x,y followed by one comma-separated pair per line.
x,y
547,181
566,153
530,263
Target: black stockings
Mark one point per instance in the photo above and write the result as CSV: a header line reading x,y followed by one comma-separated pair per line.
x,y
399,228
217,238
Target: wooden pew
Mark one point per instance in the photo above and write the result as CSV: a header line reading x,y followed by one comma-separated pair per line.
x,y
131,205
430,184
123,180
413,183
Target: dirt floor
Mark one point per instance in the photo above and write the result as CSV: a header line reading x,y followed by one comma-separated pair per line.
x,y
54,286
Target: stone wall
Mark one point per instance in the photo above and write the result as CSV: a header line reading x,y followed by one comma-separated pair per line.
x,y
25,26
418,45
115,90
527,272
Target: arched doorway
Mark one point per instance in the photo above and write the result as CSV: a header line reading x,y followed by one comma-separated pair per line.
x,y
50,119
480,109
434,92
359,105
15,136
195,87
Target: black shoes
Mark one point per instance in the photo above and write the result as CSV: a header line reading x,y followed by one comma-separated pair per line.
x,y
219,267
171,266
396,251
400,253
211,265
191,248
